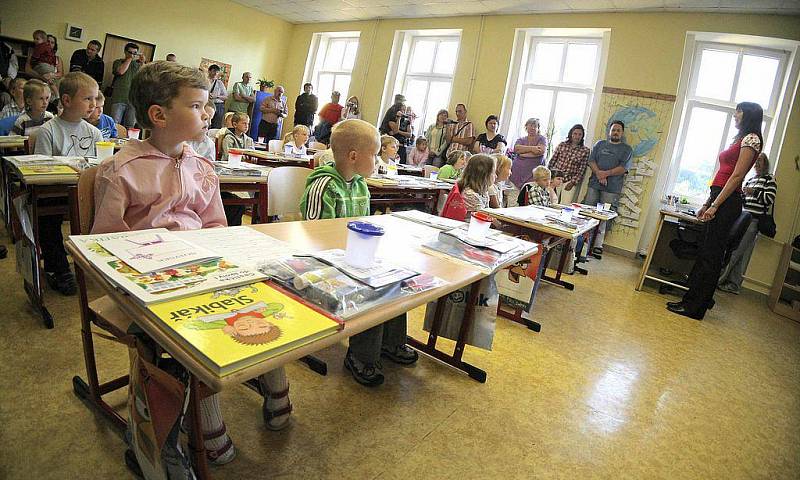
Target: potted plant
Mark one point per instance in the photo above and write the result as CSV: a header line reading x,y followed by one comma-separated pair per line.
x,y
264,84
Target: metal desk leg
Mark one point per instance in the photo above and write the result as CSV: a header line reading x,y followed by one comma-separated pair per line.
x,y
453,360
36,292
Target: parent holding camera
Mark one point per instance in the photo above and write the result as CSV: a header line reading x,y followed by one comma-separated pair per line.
x,y
124,69
397,124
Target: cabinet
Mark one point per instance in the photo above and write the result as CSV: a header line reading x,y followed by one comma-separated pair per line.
x,y
784,298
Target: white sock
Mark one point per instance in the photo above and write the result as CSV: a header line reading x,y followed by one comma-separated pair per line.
x,y
211,421
275,381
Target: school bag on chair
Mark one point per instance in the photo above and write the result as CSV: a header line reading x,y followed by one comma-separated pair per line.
x,y
455,208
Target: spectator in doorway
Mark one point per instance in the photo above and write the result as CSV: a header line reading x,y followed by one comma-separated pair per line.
x,y
273,109
89,61
243,95
124,69
305,107
217,94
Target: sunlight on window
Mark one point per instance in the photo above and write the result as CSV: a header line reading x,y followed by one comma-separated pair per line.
x,y
570,109
537,103
717,70
579,67
325,87
422,56
333,58
350,55
446,56
756,80
546,65
700,150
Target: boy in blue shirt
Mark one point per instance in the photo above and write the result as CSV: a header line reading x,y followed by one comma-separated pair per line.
x,y
102,121
337,191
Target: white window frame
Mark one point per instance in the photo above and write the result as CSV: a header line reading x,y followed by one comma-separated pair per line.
x,y
397,75
525,41
315,62
773,135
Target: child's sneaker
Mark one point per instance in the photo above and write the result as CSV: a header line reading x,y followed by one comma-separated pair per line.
x,y
64,282
364,373
402,354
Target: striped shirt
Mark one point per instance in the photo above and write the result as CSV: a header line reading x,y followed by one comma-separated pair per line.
x,y
762,194
25,125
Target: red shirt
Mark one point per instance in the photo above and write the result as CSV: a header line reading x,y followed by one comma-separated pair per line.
x,y
331,113
729,157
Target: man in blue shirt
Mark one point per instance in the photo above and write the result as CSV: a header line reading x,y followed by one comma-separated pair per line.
x,y
610,160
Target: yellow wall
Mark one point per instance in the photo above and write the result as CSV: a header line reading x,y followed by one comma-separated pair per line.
x,y
224,31
645,54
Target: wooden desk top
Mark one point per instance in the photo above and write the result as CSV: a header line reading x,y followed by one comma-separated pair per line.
x,y
401,242
414,183
679,215
510,215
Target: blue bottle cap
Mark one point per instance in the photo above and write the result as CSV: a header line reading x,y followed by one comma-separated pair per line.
x,y
365,228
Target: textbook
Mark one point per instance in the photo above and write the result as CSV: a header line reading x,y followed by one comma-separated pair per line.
x,y
44,169
165,284
231,329
150,250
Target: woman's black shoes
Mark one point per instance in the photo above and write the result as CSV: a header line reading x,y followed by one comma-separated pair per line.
x,y
682,309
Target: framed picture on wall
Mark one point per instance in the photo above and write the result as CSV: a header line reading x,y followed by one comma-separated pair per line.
x,y
114,48
74,33
224,69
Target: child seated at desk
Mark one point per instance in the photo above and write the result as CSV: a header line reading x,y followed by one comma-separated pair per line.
x,y
37,97
103,122
420,153
474,184
236,136
70,135
456,161
540,191
502,173
386,160
339,190
295,141
161,182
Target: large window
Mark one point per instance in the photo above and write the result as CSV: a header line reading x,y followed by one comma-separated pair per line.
x,y
330,64
555,81
423,71
722,76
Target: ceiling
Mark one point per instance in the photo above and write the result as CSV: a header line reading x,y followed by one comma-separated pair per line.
x,y
313,11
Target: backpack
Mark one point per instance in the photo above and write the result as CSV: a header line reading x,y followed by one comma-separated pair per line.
x,y
522,198
455,208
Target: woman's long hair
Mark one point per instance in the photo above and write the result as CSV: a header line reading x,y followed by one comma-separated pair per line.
x,y
577,126
477,174
752,117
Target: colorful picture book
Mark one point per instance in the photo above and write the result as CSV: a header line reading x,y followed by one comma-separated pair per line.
x,y
231,329
44,169
150,250
165,284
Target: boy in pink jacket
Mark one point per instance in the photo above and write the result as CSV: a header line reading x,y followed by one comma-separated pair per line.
x,y
161,182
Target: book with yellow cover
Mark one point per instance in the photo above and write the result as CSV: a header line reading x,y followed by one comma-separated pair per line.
x,y
44,169
231,329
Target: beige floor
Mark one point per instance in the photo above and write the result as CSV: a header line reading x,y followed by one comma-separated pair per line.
x,y
613,387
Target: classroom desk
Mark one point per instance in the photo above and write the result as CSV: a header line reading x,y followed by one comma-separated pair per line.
x,y
319,235
13,143
590,211
270,159
660,256
412,170
426,194
249,184
516,222
37,188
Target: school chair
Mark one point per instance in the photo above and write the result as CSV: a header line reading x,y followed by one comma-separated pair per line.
x,y
6,124
122,132
102,312
285,187
318,146
275,146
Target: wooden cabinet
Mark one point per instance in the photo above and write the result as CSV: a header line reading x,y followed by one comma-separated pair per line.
x,y
784,298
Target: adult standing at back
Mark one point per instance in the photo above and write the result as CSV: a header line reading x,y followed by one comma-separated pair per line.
x,y
89,61
216,94
529,152
273,109
436,134
610,160
124,69
305,107
491,141
569,161
242,94
462,133
721,210
397,124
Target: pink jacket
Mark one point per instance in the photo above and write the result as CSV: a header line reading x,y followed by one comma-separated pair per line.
x,y
140,187
415,157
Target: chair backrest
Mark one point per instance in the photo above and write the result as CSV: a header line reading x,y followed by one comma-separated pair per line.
x,y
6,124
285,187
86,200
122,132
427,169
318,146
275,146
31,143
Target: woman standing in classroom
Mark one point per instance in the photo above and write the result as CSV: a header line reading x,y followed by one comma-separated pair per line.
x,y
720,211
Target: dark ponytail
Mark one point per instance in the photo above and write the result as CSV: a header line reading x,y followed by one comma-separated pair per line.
x,y
752,117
